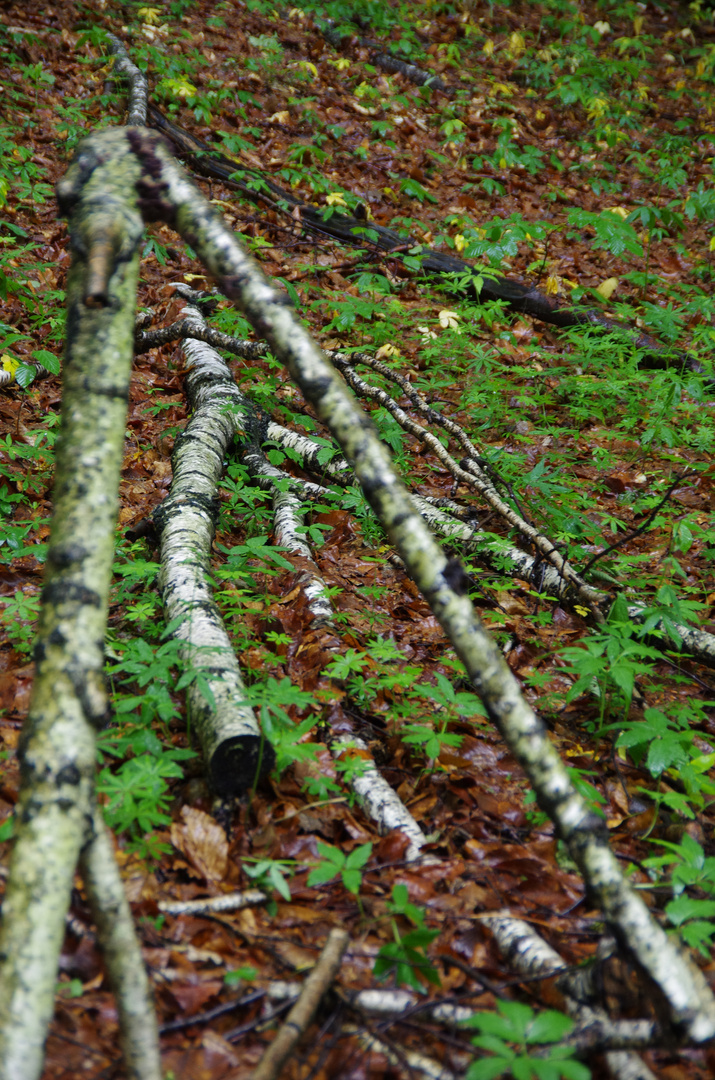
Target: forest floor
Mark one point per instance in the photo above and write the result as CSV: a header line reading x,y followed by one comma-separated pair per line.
x,y
572,148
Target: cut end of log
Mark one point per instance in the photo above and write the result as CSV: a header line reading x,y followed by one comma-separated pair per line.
x,y
238,762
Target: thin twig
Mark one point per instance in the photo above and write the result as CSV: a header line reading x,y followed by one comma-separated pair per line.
x,y
302,1013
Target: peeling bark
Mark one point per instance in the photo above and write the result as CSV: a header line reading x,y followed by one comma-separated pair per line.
x,y
234,750
415,1062
288,519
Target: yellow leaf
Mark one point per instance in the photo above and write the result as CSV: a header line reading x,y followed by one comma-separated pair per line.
x,y
387,350
503,88
307,66
580,610
282,117
390,194
601,28
712,243
552,285
488,47
448,319
459,243
597,107
607,288
342,63
336,198
517,43
9,363
184,89
151,32
621,211
427,334
149,15
638,24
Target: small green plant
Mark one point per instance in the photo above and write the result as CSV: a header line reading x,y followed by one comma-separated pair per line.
x,y
237,976
512,1034
405,956
690,868
273,698
610,661
19,614
335,863
71,989
240,559
415,190
658,741
153,670
610,230
451,705
136,792
269,874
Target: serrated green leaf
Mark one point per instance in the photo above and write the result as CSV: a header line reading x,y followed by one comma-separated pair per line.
x,y
322,874
48,360
332,854
352,880
487,1068
25,374
548,1026
358,857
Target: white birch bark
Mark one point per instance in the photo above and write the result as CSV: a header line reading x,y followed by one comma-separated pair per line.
x,y
530,955
56,811
379,801
545,577
214,905
443,584
288,518
125,965
233,748
138,94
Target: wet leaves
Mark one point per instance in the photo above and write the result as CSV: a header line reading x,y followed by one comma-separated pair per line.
x,y
308,114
